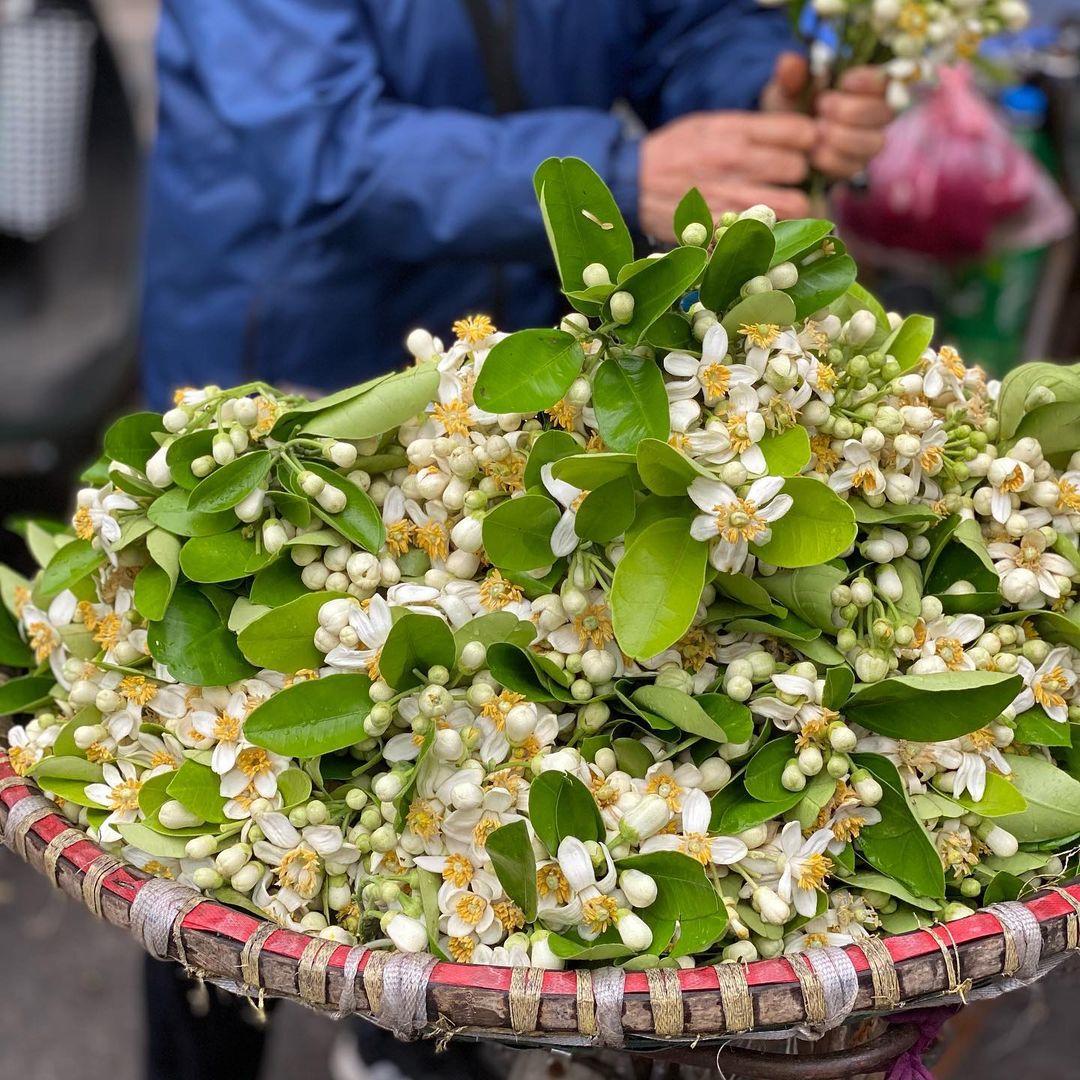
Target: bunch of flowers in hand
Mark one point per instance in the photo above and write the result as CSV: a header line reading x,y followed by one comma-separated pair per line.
x,y
727,618
908,39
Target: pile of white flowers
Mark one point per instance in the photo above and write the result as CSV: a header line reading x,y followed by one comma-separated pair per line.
x,y
759,634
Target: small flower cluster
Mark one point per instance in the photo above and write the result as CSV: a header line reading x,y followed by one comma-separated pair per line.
x,y
433,665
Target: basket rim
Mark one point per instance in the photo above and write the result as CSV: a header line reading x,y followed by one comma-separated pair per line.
x,y
976,940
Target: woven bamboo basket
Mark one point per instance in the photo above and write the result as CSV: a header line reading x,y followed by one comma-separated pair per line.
x,y
666,1012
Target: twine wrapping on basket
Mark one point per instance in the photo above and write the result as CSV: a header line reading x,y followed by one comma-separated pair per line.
x,y
56,847
1022,938
1072,918
311,970
608,986
665,999
735,997
829,984
373,980
347,997
11,781
93,881
249,956
882,972
21,819
526,986
952,966
586,1003
159,908
403,1004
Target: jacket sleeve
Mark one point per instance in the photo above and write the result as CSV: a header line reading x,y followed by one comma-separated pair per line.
x,y
705,54
298,84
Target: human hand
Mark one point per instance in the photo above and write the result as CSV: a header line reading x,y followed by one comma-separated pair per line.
x,y
735,159
851,119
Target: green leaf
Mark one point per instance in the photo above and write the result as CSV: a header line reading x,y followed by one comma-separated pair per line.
x,y
22,694
160,845
656,588
156,580
1057,427
42,543
385,406
630,402
1003,887
693,208
514,863
898,845
1062,381
184,451
679,709
415,642
786,453
658,285
890,513
798,237
734,811
816,795
1000,798
874,882
683,894
170,512
734,717
278,584
549,447
283,639
1053,801
360,521
589,471
820,283
933,708
858,299
560,805
819,526
528,371
769,308
909,341
632,757
225,557
1035,728
606,512
521,671
671,332
582,220
599,949
14,652
762,777
665,470
197,788
131,440
192,641
745,251
494,627
294,785
838,683
70,565
231,484
748,592
313,717
517,533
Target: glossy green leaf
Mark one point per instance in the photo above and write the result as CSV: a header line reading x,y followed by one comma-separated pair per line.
x,y
890,513
665,470
226,557
589,471
693,208
385,406
582,220
822,282
170,512
160,845
656,287
786,453
1035,728
1062,381
1000,798
560,805
767,308
819,526
798,237
898,846
131,440
360,521
871,881
671,332
632,757
183,451
630,402
735,718
21,694
608,946
656,588
933,708
14,652
679,709
231,484
745,251
607,511
1057,427
156,580
283,638
197,788
526,673
70,565
734,810
517,533
192,641
549,447
313,717
909,341
494,627
1053,801
278,584
514,863
528,371
415,642
838,684
762,778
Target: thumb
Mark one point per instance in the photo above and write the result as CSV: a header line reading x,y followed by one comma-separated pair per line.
x,y
789,81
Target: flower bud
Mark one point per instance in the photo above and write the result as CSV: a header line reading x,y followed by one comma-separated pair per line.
x,y
332,499
595,274
408,934
207,879
640,889
695,235
770,907
866,787
622,307
784,275
201,847
175,420
793,778
645,819
174,815
247,877
157,469
634,932
740,952
273,536
251,506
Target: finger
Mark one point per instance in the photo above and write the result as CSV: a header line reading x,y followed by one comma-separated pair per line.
x,y
773,165
864,80
854,110
838,165
787,85
788,130
738,196
855,142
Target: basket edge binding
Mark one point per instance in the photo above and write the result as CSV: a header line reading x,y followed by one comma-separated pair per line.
x,y
987,953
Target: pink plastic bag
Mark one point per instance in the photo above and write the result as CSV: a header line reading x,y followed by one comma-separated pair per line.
x,y
949,174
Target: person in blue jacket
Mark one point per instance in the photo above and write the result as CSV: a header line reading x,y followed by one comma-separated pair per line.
x,y
329,174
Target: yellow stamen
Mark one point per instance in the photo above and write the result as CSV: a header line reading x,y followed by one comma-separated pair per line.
x,y
760,335
137,689
551,881
474,329
125,796
496,592
433,538
84,524
599,913
458,870
461,949
470,908
813,871
454,417
422,819
593,625
398,536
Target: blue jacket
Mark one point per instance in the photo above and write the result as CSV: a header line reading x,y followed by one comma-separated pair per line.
x,y
330,173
